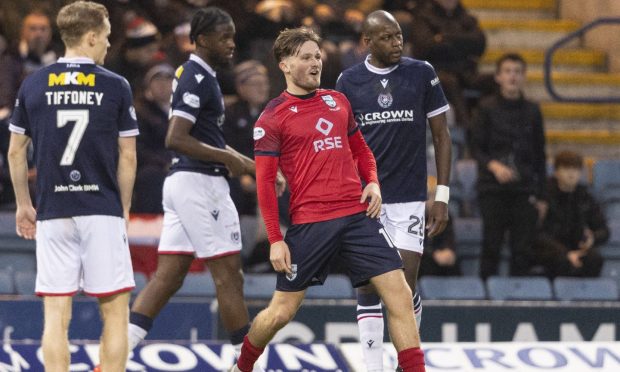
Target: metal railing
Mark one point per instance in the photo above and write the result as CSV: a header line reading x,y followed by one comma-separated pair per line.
x,y
557,45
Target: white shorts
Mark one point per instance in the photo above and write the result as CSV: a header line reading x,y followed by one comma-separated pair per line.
x,y
200,218
84,252
404,223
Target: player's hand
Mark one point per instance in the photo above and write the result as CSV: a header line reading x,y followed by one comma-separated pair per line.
x,y
372,192
26,222
437,219
280,184
280,257
503,173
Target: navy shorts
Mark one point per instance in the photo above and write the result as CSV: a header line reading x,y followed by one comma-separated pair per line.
x,y
360,242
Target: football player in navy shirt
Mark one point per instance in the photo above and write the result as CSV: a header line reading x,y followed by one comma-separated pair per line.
x,y
200,218
312,136
81,121
392,98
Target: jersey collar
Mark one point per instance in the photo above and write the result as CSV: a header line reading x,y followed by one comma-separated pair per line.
x,y
75,60
377,70
202,64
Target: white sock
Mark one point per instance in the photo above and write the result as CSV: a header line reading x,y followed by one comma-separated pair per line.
x,y
417,309
370,325
135,335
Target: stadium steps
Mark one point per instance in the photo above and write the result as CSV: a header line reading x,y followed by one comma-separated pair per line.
x,y
529,27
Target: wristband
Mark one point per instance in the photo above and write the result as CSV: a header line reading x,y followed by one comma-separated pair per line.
x,y
442,193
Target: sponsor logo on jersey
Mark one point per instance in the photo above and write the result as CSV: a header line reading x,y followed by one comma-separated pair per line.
x,y
71,78
324,126
199,77
385,100
75,175
384,117
258,133
327,143
329,100
435,81
191,100
384,83
293,273
293,108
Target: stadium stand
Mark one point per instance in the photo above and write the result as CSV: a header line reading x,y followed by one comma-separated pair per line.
x,y
6,282
335,286
519,288
197,284
585,289
452,288
611,269
141,280
24,282
259,286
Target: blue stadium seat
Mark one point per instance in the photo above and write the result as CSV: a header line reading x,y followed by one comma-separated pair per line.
x,y
25,282
611,269
335,286
606,175
519,288
197,284
585,289
612,209
611,249
26,261
468,235
470,266
6,282
452,288
259,286
141,280
466,172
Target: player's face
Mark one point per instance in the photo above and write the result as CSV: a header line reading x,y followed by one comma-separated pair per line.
x,y
303,70
385,42
101,43
220,44
511,77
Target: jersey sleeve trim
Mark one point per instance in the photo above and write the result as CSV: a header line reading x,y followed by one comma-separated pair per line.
x,y
14,128
438,111
353,131
129,133
184,115
267,153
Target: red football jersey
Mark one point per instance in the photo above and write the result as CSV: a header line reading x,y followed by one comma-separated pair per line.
x,y
310,136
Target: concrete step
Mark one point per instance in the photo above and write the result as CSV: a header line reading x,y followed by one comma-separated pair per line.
x,y
567,60
581,111
527,33
586,84
511,5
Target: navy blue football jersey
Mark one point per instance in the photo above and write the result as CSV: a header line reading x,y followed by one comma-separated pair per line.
x,y
75,111
391,106
196,96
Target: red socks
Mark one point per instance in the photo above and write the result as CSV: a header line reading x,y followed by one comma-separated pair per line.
x,y
249,355
411,360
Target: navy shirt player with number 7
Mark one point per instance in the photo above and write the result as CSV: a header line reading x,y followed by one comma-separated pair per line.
x,y
311,135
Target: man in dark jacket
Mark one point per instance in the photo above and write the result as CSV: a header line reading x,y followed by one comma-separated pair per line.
x,y
507,140
574,226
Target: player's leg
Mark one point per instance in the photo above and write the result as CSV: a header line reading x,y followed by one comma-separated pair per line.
x,y
228,280
411,263
55,340
115,316
168,278
370,327
268,322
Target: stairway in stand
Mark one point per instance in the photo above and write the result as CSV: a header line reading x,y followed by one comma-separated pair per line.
x,y
529,27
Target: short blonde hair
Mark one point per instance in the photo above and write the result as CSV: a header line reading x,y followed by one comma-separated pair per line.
x,y
78,18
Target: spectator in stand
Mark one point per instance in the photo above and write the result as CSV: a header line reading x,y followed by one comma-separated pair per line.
x,y
439,256
152,108
448,37
139,52
507,140
180,47
574,227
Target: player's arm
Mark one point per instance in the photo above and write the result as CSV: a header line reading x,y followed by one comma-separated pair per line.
x,y
126,172
367,168
25,215
438,216
266,173
178,139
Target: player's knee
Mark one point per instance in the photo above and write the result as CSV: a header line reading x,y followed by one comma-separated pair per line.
x,y
229,281
281,316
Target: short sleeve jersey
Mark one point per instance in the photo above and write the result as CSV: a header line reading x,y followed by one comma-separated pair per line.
x,y
75,111
196,96
310,137
391,106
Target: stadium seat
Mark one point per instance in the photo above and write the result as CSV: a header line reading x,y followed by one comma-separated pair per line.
x,y
141,280
197,284
259,286
452,288
606,175
611,249
17,261
25,282
519,288
336,287
6,282
611,269
612,210
466,172
470,266
468,235
585,289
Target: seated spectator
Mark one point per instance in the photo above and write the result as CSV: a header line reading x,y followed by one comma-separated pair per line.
x,y
439,256
574,227
153,159
447,36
